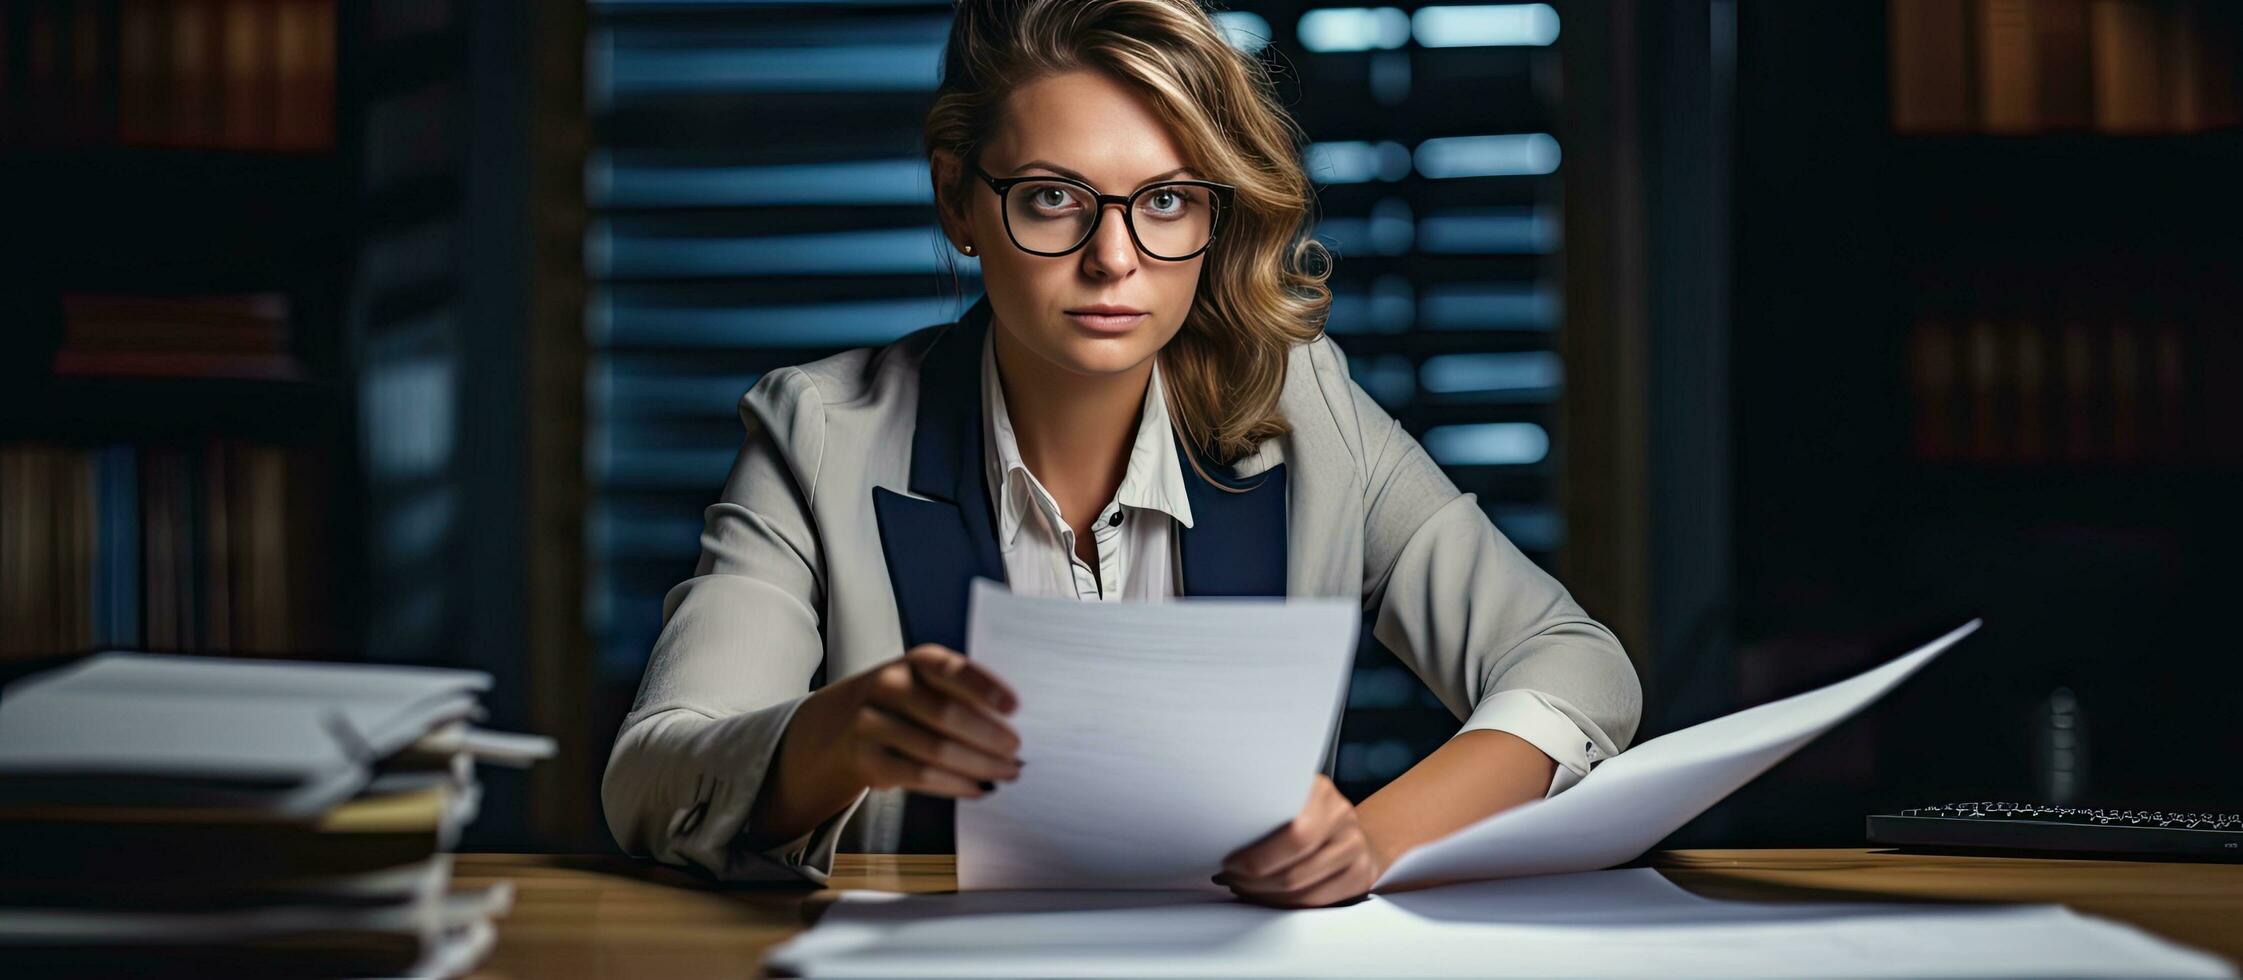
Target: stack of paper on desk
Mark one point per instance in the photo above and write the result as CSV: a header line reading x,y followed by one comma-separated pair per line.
x,y
1630,922
167,814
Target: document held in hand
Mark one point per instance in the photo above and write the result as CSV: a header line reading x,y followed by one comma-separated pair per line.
x,y
1629,803
1157,737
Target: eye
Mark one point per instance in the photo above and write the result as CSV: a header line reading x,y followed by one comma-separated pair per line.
x,y
1169,203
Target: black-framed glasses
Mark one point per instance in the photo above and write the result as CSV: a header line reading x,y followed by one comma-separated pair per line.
x,y
1052,216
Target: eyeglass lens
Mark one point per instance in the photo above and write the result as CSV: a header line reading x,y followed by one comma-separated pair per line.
x,y
1171,220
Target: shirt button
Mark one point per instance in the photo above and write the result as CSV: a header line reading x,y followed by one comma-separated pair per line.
x,y
1115,521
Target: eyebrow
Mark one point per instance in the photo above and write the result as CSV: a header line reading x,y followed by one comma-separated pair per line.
x,y
1064,172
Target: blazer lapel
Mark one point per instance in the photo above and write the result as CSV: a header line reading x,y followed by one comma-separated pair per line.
x,y
1236,544
935,546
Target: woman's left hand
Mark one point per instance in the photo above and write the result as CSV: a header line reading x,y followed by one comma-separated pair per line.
x,y
1322,857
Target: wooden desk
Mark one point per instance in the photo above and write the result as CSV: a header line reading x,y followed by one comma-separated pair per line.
x,y
614,917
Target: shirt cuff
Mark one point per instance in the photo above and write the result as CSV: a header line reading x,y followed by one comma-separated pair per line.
x,y
1531,716
811,855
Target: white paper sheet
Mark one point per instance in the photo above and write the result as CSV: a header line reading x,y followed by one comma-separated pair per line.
x,y
1158,737
1629,922
1630,802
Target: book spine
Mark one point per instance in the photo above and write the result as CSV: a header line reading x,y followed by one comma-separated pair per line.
x,y
217,570
1930,81
304,64
1988,382
89,112
75,555
189,73
249,53
18,514
2124,42
175,364
2126,389
1931,358
2032,391
35,516
120,531
2168,391
42,68
105,566
2079,391
193,628
2067,100
158,592
2202,42
265,472
140,45
2008,79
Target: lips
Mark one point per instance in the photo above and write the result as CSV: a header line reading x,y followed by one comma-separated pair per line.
x,y
1106,318
1107,309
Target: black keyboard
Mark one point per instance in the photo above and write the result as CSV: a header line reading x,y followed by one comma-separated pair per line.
x,y
2063,829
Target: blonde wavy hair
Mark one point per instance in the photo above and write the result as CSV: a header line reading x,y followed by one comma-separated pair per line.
x,y
1262,289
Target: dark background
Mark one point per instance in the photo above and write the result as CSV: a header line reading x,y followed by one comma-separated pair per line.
x,y
550,244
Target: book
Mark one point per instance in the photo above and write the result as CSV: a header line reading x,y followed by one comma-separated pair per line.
x,y
250,54
212,336
1930,68
253,75
2060,63
2031,372
1989,380
1932,373
304,74
2125,44
2008,67
2202,41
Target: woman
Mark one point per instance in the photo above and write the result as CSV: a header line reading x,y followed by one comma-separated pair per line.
x,y
1142,405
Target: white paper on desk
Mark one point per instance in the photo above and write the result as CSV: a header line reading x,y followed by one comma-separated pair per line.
x,y
1158,737
1630,922
1627,804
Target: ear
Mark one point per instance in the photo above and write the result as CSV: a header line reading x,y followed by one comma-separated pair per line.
x,y
943,168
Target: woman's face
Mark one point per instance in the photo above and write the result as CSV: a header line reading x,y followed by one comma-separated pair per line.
x,y
1084,125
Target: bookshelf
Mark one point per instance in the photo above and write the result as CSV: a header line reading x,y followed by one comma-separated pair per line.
x,y
178,419
1981,368
2060,197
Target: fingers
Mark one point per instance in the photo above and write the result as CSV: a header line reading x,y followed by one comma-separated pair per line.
x,y
952,673
899,692
915,742
932,721
1294,842
1351,879
1322,856
1299,876
884,768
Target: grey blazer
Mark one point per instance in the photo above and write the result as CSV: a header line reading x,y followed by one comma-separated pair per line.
x,y
855,515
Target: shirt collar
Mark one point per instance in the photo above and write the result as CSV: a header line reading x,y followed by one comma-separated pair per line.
x,y
1153,479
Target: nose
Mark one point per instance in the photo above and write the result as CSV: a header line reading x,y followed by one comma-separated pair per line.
x,y
1110,254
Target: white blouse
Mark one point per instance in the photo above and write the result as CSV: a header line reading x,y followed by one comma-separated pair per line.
x,y
1136,555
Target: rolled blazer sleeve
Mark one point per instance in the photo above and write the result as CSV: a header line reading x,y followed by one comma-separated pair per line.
x,y
739,647
1498,640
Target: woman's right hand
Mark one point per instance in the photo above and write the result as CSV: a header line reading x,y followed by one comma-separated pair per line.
x,y
931,720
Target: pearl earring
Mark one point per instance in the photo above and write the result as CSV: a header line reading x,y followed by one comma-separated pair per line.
x,y
967,248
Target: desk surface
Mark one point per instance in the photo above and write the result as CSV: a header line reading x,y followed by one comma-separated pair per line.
x,y
616,917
